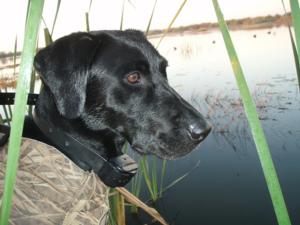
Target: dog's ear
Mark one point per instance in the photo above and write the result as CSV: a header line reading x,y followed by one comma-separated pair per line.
x,y
63,67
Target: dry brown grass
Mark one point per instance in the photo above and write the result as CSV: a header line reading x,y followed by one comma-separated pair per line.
x,y
8,82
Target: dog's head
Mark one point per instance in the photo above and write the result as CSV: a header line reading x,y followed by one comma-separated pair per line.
x,y
117,80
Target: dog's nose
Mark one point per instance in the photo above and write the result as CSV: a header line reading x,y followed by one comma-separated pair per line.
x,y
198,132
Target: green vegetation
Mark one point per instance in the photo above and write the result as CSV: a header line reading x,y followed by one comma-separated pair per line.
x,y
296,24
296,21
256,129
148,169
150,20
171,23
31,31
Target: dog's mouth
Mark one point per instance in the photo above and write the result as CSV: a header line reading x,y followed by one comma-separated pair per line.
x,y
139,150
164,151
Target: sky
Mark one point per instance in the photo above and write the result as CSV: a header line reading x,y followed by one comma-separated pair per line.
x,y
106,14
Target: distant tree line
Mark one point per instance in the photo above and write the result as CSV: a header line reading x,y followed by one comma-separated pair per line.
x,y
260,22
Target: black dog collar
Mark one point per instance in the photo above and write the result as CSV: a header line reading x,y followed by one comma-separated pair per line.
x,y
114,171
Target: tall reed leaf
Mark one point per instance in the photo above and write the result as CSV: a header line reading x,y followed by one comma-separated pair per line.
x,y
256,129
87,17
122,16
55,17
135,201
31,32
117,208
151,17
145,170
87,22
172,21
296,21
294,48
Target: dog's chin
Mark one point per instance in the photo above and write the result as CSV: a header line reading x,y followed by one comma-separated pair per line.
x,y
161,153
170,155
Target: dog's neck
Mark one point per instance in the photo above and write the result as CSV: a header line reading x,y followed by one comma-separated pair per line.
x,y
105,141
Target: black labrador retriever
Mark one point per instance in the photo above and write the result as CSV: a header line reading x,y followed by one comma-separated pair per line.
x,y
108,87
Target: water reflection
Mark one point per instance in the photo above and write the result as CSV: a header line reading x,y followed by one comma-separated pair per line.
x,y
229,187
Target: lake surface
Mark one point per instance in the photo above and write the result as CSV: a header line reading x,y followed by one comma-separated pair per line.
x,y
228,187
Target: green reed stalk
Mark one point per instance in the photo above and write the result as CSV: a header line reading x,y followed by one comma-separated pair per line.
x,y
90,5
87,18
162,175
87,22
177,180
151,17
296,24
122,16
296,56
136,188
154,178
55,17
171,23
150,175
31,32
256,129
294,48
296,21
145,170
117,208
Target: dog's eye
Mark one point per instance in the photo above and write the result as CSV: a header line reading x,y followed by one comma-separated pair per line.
x,y
133,77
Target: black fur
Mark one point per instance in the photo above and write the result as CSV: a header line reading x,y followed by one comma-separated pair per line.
x,y
86,93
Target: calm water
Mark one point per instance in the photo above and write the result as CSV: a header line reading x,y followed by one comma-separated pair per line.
x,y
228,186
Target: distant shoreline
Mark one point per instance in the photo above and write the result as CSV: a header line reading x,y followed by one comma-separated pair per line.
x,y
249,23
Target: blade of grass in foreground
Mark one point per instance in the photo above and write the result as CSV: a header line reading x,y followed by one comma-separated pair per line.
x,y
122,16
296,21
117,208
170,25
256,129
145,170
55,17
151,17
87,18
34,16
294,48
296,24
135,201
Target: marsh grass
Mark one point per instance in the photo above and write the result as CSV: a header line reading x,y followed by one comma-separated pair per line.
x,y
136,184
296,22
33,18
122,15
56,15
87,17
171,23
255,126
294,47
151,17
117,208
